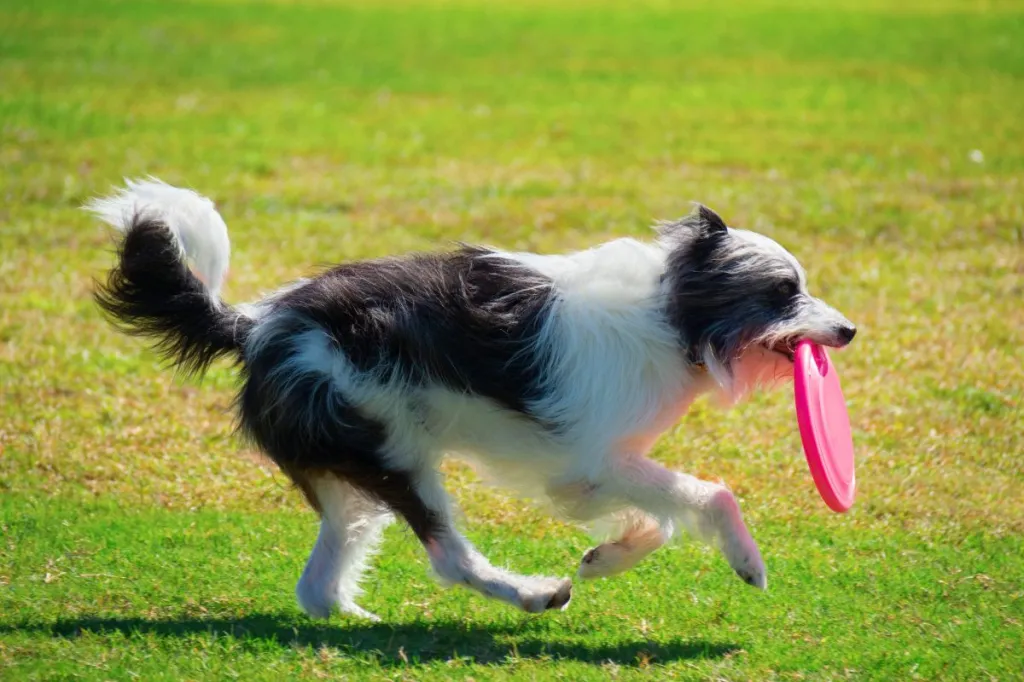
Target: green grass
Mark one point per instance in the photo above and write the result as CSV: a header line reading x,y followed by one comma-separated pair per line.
x,y
138,539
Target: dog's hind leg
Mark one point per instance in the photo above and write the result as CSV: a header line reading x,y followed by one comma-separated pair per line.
x,y
350,529
708,510
640,535
456,561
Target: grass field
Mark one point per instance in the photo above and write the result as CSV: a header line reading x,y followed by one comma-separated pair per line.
x,y
882,142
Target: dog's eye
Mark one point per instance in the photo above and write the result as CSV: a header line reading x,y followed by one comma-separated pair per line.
x,y
786,289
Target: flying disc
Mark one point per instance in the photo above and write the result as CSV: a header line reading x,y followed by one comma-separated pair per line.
x,y
824,425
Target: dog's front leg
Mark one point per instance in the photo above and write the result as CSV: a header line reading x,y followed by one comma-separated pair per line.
x,y
708,510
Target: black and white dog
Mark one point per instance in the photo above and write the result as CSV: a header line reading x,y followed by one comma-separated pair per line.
x,y
558,373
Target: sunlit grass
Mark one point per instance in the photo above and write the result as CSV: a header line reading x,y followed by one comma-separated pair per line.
x,y
880,142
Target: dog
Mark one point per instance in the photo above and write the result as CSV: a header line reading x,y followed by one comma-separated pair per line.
x,y
557,373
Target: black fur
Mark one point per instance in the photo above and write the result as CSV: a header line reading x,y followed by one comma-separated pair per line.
x,y
716,300
461,319
152,293
711,221
695,240
310,430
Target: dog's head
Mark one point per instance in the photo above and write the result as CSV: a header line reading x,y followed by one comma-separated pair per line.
x,y
736,295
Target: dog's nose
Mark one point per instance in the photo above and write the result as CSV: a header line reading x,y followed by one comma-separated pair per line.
x,y
846,333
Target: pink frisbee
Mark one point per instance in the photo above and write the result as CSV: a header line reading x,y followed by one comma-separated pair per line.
x,y
824,425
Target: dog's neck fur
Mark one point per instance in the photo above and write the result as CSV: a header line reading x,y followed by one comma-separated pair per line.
x,y
621,275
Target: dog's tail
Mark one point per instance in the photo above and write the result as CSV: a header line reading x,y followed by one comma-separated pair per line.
x,y
152,291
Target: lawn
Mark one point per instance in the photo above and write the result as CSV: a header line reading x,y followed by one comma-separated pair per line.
x,y
882,142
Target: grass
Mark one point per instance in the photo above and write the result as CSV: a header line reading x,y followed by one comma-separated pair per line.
x,y
880,141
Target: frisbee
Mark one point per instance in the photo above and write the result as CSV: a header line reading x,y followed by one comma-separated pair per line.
x,y
824,425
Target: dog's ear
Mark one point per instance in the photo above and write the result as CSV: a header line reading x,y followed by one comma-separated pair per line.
x,y
711,221
700,224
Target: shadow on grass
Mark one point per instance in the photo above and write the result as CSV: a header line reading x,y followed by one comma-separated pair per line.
x,y
395,645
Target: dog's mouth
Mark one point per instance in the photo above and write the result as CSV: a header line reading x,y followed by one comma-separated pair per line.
x,y
786,347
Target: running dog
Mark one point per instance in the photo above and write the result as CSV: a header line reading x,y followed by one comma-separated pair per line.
x,y
557,372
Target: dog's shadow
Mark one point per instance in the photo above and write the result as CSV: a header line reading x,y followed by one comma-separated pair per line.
x,y
397,645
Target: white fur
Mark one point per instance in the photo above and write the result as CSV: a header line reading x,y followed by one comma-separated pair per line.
x,y
637,536
615,371
350,531
456,562
615,375
615,379
192,218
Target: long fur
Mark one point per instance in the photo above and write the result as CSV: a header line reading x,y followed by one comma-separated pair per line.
x,y
557,373
153,292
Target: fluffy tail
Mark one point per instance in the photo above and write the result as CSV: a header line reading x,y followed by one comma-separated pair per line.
x,y
152,291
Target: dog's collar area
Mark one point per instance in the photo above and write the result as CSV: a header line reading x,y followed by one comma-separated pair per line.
x,y
695,359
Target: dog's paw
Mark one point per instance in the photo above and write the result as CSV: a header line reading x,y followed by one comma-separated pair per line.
x,y
604,560
313,600
750,568
359,612
745,558
736,543
641,538
591,565
546,594
320,601
317,611
322,609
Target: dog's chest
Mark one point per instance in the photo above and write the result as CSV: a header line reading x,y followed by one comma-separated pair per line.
x,y
676,401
